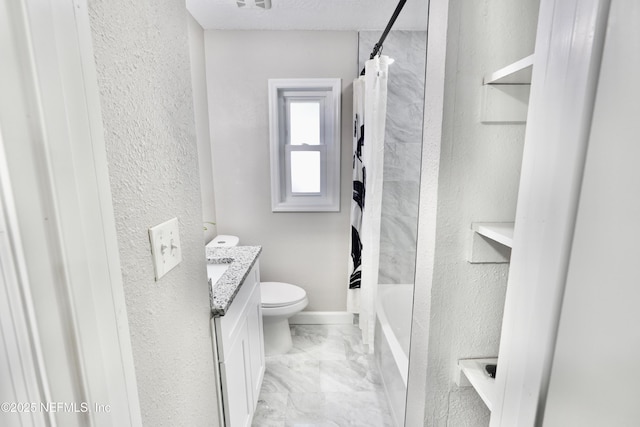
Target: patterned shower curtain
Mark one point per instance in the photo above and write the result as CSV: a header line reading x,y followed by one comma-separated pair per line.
x,y
357,202
369,112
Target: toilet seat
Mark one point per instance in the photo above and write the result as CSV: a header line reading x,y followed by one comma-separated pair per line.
x,y
278,294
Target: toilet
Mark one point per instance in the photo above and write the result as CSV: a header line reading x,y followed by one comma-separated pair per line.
x,y
279,302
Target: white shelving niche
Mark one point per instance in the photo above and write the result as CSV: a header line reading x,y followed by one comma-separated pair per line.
x,y
501,232
516,73
505,96
471,372
491,242
505,100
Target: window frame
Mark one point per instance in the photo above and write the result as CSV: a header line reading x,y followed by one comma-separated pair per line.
x,y
328,93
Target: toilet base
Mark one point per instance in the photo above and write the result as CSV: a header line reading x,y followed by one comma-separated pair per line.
x,y
277,336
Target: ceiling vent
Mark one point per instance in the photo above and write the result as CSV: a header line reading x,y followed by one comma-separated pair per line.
x,y
249,4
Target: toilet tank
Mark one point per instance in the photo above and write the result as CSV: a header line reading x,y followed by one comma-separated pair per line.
x,y
223,241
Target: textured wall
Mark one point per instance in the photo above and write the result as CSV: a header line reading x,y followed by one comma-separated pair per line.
x,y
201,110
142,58
309,249
402,148
325,15
478,181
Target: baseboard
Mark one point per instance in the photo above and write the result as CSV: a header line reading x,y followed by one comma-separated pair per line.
x,y
322,318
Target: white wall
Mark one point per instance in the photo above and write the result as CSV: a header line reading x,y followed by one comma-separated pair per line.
x,y
307,249
142,60
477,181
201,111
594,377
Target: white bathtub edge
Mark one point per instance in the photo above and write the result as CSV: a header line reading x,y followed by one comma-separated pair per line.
x,y
402,360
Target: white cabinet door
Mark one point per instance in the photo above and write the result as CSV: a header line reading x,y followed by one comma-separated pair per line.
x,y
256,343
236,382
240,347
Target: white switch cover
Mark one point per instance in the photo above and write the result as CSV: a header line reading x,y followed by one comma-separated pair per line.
x,y
165,246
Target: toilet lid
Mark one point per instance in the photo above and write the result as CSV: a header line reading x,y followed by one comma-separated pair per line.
x,y
278,294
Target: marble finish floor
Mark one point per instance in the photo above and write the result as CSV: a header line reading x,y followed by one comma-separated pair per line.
x,y
326,380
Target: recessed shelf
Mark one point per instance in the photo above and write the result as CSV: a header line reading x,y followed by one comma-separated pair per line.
x,y
517,73
473,370
501,232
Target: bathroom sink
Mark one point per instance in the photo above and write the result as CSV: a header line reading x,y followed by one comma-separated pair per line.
x,y
215,271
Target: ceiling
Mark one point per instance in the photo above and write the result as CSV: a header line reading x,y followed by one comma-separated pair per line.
x,y
309,15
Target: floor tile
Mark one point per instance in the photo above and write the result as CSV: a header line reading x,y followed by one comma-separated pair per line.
x,y
328,379
291,376
349,375
357,409
353,347
306,409
271,410
321,343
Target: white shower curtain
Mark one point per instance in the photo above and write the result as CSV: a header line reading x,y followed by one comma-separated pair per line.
x,y
369,112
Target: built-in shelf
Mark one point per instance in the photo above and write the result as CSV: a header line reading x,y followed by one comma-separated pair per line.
x,y
474,372
501,232
518,73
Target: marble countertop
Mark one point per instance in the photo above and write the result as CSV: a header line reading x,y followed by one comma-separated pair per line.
x,y
240,260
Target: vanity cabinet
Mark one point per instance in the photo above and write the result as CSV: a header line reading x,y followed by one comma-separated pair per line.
x,y
240,351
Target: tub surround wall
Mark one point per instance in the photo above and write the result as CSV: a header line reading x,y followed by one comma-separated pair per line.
x,y
142,61
403,145
201,111
307,249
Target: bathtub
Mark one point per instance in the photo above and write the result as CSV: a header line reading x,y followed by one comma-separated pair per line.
x,y
391,346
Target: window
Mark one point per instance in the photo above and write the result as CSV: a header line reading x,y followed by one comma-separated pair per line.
x,y
304,122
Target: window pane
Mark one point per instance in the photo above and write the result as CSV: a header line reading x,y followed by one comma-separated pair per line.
x,y
304,123
305,172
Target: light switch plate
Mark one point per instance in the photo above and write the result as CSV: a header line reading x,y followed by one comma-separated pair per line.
x,y
165,246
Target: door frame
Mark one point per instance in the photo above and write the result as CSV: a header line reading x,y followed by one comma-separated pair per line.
x,y
51,121
568,54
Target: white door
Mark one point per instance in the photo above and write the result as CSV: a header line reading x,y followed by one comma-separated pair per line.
x,y
594,376
57,173
565,71
23,377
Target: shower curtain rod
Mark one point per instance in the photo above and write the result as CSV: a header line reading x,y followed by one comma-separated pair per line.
x,y
378,46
